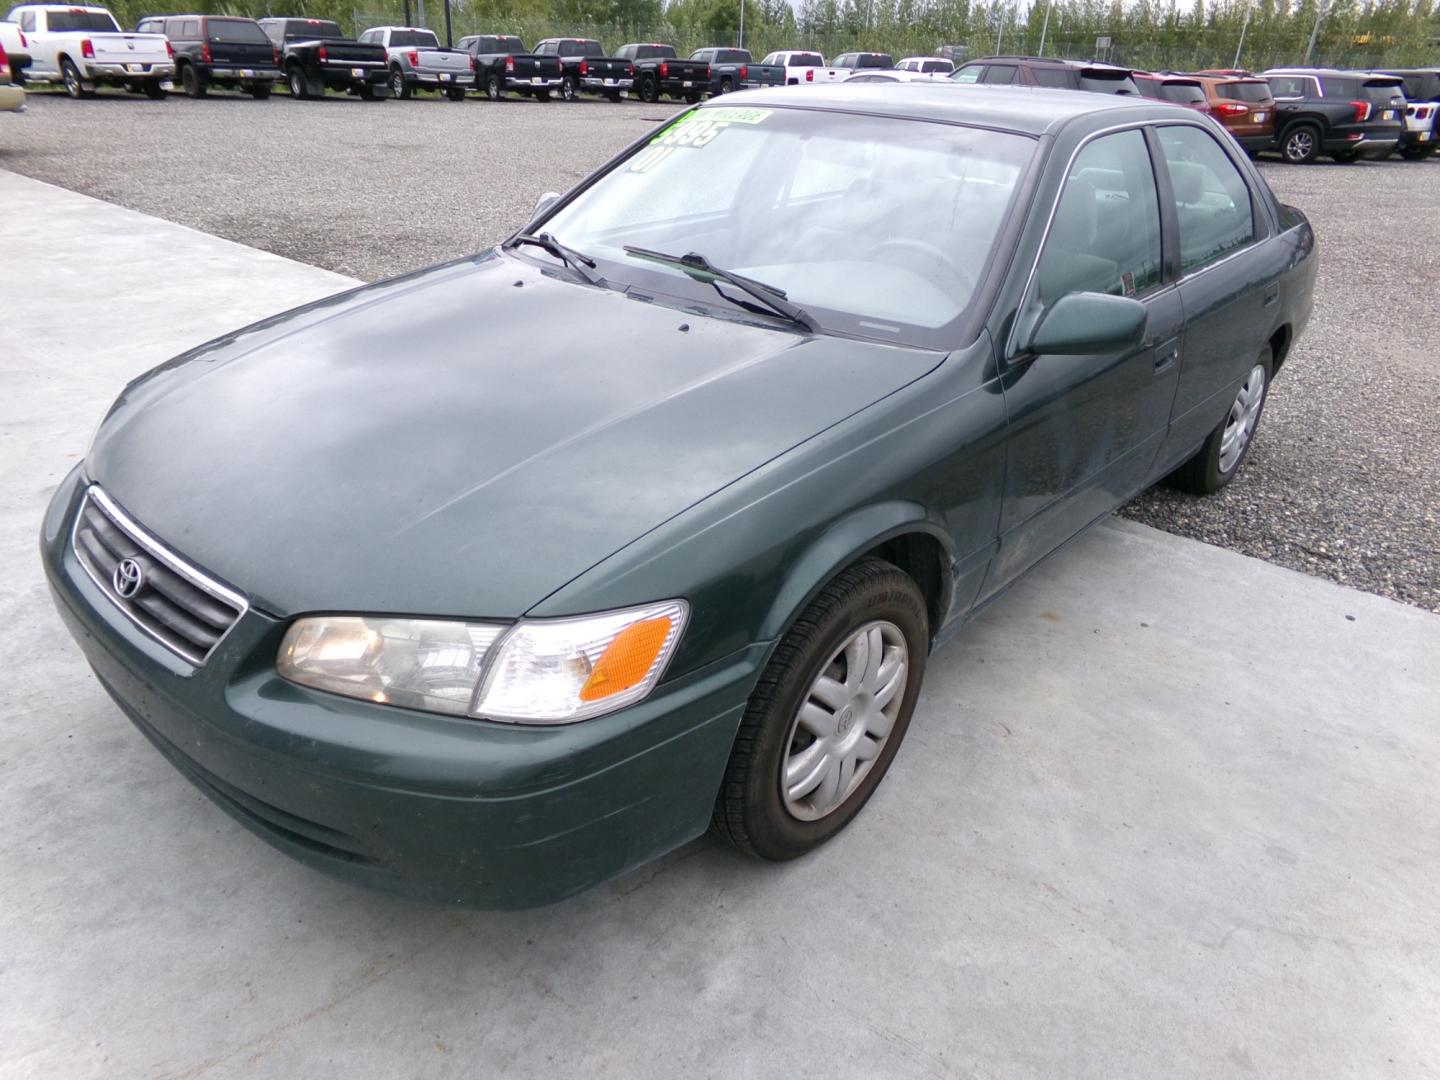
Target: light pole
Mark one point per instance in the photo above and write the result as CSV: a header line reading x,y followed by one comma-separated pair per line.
x,y
1243,27
741,43
1044,28
1000,34
1315,33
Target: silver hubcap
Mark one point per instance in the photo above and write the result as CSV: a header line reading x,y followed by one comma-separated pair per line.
x,y
1300,144
845,720
72,84
1244,414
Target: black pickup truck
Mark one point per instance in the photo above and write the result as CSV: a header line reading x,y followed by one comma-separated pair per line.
x,y
503,63
218,50
659,70
316,56
736,69
1341,114
585,67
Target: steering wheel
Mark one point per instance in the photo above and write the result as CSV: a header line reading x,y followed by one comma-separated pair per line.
x,y
923,247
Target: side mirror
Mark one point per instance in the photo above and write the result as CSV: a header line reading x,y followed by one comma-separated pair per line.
x,y
1083,323
544,202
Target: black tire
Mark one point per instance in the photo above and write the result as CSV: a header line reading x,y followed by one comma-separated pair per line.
x,y
369,91
613,95
1415,153
1300,145
455,93
494,88
260,91
299,85
70,76
749,810
398,86
191,82
692,98
727,86
153,90
1201,474
648,90
568,90
1346,157
542,95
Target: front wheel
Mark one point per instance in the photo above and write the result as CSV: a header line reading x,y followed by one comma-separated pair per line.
x,y
1301,145
827,715
74,84
1218,460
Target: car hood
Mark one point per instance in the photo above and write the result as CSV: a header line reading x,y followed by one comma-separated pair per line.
x,y
465,440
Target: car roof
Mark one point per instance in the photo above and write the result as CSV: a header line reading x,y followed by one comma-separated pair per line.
x,y
1348,73
1029,110
1051,60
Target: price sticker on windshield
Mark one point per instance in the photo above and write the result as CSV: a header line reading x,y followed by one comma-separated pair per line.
x,y
694,131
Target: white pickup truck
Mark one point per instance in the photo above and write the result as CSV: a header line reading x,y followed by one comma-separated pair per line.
x,y
805,68
417,62
84,47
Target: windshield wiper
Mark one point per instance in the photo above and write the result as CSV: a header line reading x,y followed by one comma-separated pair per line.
x,y
582,264
701,268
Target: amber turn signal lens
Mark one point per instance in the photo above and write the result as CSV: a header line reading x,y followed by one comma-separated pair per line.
x,y
627,660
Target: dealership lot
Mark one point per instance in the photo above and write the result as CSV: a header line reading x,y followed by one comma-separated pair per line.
x,y
1343,481
1163,810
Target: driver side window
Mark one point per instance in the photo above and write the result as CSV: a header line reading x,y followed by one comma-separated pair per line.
x,y
1105,236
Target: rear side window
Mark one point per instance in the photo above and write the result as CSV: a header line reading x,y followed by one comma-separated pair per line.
x,y
1105,236
1253,92
1339,88
236,32
999,74
1290,86
935,65
1212,200
189,30
1056,77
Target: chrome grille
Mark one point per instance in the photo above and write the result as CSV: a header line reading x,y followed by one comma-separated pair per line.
x,y
177,604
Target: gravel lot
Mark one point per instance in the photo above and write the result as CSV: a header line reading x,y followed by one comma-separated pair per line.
x,y
1343,480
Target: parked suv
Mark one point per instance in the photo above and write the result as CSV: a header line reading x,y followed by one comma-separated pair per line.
x,y
1342,114
218,50
1038,71
927,65
1244,107
864,60
1422,111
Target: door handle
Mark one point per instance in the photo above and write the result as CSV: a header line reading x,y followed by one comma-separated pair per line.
x,y
1272,293
1166,355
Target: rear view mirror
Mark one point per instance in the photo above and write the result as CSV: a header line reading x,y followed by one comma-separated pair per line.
x,y
544,202
1083,323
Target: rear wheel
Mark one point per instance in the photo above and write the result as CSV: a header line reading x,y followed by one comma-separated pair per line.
x,y
542,95
648,90
1415,153
398,87
1345,157
494,88
373,91
726,85
1301,145
1218,460
568,90
455,93
299,85
827,715
154,91
70,76
191,82
260,91
692,98
613,95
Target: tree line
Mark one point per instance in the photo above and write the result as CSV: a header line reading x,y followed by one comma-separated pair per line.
x,y
1141,33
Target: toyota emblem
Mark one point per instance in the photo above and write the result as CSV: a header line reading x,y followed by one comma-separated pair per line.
x,y
129,578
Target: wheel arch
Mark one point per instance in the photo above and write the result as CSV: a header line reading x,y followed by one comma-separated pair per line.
x,y
1280,342
900,532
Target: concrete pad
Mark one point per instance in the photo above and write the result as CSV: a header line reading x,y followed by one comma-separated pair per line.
x,y
1163,811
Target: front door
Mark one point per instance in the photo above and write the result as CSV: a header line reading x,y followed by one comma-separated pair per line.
x,y
1084,430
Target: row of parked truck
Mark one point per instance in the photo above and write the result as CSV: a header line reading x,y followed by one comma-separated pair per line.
x,y
1303,113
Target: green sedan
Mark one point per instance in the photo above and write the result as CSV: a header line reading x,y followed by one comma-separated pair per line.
x,y
489,582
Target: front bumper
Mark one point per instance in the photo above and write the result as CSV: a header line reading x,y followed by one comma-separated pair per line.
x,y
445,809
128,71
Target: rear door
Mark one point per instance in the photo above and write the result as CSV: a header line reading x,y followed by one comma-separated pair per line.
x,y
1084,430
1228,279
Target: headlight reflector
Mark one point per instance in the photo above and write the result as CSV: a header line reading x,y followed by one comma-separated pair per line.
x,y
414,663
538,671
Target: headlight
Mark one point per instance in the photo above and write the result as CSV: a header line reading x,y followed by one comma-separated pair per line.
x,y
538,671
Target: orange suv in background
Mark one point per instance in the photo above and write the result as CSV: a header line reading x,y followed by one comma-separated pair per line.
x,y
1244,106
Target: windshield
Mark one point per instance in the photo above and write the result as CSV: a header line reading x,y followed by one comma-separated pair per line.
x,y
413,39
876,226
93,21
1252,92
236,31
